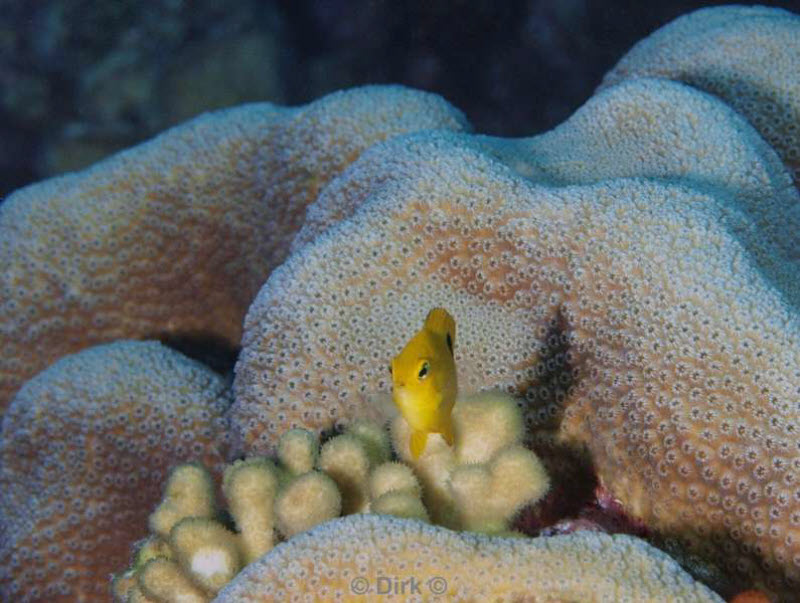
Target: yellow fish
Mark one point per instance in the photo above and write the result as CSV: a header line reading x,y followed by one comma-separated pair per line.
x,y
424,380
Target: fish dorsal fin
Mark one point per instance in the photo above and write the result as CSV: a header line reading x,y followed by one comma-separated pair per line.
x,y
439,321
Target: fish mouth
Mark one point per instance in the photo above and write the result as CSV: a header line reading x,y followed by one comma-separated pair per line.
x,y
404,399
400,394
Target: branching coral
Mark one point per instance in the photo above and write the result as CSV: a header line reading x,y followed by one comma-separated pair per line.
x,y
377,555
191,553
85,448
174,237
650,321
488,476
250,488
480,487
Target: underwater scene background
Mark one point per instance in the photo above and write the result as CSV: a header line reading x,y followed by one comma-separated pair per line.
x,y
443,301
82,79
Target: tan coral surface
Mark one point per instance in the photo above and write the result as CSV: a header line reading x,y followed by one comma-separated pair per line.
x,y
631,275
375,557
174,237
746,55
649,320
85,449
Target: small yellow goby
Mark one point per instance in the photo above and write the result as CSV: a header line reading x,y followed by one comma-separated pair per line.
x,y
424,380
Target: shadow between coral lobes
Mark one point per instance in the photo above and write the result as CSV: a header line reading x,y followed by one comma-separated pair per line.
x,y
209,349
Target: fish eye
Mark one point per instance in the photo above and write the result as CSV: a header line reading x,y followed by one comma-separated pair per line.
x,y
423,372
390,370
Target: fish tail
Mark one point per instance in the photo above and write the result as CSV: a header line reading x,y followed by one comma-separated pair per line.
x,y
440,321
418,440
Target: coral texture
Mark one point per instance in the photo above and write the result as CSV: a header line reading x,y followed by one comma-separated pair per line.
x,y
480,485
85,449
375,556
746,55
481,482
174,237
190,555
646,316
631,277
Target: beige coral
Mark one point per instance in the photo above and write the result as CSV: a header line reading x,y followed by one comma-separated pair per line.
x,y
481,482
85,448
173,238
371,557
189,493
746,55
488,477
649,320
643,127
631,275
191,552
208,550
250,488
